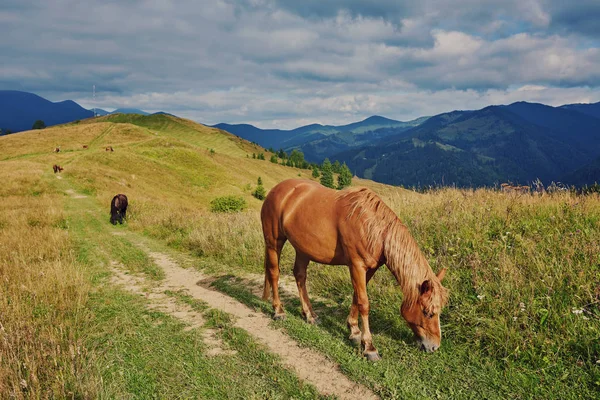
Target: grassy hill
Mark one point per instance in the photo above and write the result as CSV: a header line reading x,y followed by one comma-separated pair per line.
x,y
522,322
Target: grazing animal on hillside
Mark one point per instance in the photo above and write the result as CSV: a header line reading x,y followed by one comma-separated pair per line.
x,y
507,188
118,209
57,168
109,148
57,149
85,146
353,227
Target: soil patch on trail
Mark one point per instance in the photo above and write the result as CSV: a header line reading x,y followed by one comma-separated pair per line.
x,y
74,195
159,301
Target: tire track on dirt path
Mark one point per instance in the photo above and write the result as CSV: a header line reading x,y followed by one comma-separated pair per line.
x,y
159,301
309,365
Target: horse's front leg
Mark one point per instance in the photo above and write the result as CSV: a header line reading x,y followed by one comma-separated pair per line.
x,y
359,281
352,321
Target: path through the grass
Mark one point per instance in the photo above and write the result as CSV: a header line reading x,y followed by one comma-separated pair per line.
x,y
308,364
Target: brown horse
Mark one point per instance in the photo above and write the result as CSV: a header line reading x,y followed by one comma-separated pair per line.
x,y
508,188
57,149
109,148
57,168
85,146
118,209
352,227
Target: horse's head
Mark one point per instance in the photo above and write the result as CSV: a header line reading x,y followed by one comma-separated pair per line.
x,y
423,315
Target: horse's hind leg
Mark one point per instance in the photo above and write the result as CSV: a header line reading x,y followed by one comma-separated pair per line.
x,y
300,274
272,253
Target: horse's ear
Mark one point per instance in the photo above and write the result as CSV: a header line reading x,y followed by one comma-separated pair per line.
x,y
441,274
426,287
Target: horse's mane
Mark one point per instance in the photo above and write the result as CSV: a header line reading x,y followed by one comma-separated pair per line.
x,y
404,259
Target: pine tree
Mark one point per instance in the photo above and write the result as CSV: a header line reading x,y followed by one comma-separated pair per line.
x,y
297,158
345,177
274,159
315,172
260,192
336,167
327,174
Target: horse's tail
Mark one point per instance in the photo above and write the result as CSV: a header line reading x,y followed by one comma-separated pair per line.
x,y
267,286
113,206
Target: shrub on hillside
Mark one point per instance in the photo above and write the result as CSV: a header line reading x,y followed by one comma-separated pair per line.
x,y
228,204
260,192
39,124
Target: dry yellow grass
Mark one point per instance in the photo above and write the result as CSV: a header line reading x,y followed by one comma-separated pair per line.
x,y
42,292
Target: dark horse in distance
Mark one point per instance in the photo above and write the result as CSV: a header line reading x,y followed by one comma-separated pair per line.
x,y
118,209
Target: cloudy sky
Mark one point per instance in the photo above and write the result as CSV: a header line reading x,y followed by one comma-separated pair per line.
x,y
284,63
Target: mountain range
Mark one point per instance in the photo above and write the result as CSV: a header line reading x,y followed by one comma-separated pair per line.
x,y
518,143
318,141
19,110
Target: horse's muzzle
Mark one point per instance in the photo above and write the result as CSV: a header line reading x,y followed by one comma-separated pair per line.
x,y
428,346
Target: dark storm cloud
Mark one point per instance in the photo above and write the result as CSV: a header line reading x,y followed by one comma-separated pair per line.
x,y
280,62
581,17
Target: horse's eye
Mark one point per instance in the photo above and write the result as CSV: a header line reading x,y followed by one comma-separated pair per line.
x,y
427,314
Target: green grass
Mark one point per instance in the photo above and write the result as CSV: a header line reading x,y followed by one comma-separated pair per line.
x,y
456,371
183,297
146,354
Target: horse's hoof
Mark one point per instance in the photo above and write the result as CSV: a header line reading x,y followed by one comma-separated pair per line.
x,y
279,317
355,339
372,356
313,320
